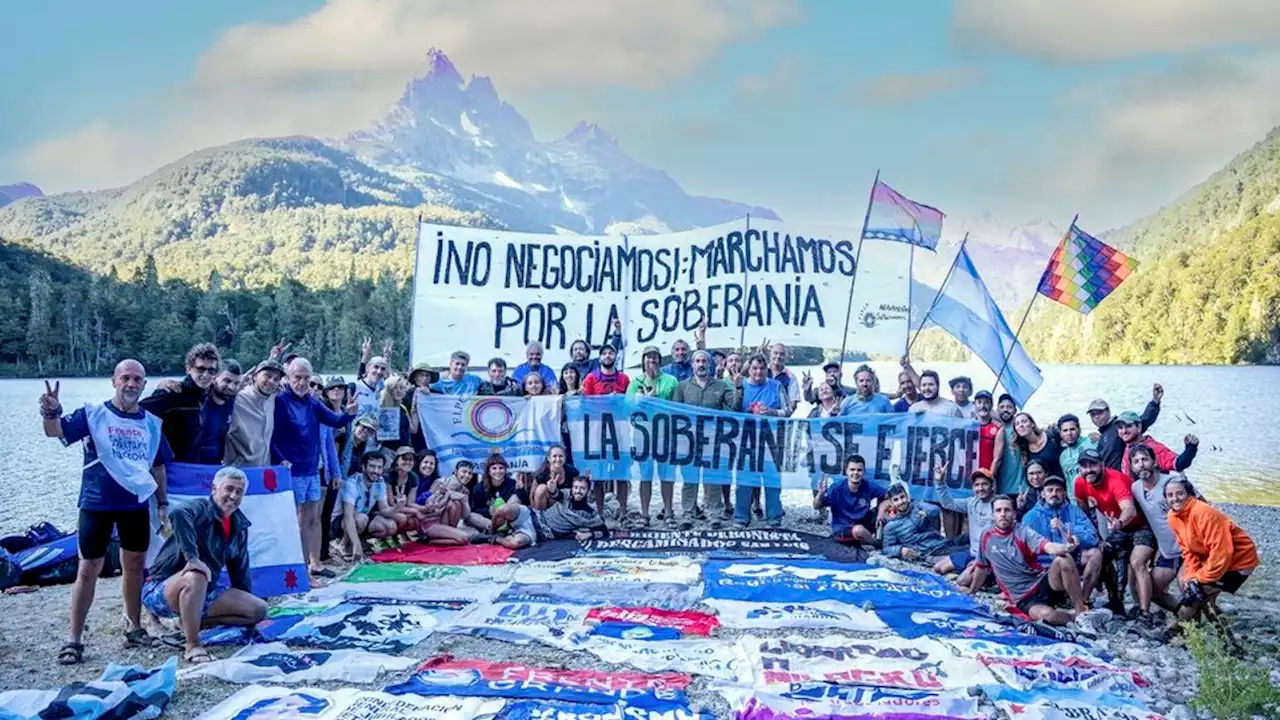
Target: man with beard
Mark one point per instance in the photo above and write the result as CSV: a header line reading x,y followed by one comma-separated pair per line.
x,y
912,534
1118,520
703,390
787,382
1059,521
533,364
570,515
608,380
1008,551
1006,462
124,455
580,351
209,534
215,420
930,402
1130,431
499,383
1073,443
988,428
834,373
978,508
185,410
1110,446
865,400
961,389
732,370
1152,583
652,382
253,419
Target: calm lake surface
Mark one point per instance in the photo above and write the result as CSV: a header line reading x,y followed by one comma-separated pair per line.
x,y
1239,456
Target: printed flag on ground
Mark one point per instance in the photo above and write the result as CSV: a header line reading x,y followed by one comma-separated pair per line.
x,y
276,565
1084,270
895,217
966,310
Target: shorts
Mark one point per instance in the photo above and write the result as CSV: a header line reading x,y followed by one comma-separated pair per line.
x,y
132,527
961,559
1043,594
845,533
1144,537
306,488
1231,581
153,598
1168,563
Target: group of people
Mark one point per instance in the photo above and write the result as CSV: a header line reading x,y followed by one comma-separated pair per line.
x,y
359,485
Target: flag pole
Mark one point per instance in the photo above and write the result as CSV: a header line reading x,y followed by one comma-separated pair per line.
x,y
941,288
1027,314
857,266
911,282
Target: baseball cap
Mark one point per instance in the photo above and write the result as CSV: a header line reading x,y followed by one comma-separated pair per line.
x,y
269,364
1098,404
334,381
368,421
1128,418
982,394
651,350
960,379
830,365
1055,480
983,473
404,450
1090,455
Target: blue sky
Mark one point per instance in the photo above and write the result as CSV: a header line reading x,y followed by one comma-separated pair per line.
x,y
1025,110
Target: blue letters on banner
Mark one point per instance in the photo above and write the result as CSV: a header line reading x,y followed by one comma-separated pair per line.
x,y
646,438
913,623
481,680
664,595
815,580
529,710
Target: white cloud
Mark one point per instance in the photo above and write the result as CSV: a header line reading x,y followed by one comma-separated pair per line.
x,y
1085,30
775,83
331,71
907,88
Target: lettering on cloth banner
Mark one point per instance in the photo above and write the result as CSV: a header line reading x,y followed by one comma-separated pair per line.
x,y
612,435
497,291
891,662
1046,704
823,700
471,428
257,701
810,581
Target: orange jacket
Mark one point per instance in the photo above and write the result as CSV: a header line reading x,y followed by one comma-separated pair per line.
x,y
1211,544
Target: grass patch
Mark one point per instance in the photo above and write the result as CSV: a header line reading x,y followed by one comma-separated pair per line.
x,y
1230,688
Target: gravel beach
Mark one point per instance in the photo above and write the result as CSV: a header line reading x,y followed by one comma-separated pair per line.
x,y
33,627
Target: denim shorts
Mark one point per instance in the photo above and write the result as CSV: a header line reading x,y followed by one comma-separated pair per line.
x,y
306,488
153,598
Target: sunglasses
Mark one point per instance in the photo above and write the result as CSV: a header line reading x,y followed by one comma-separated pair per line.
x,y
317,386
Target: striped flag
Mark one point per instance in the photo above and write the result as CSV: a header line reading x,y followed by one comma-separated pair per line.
x,y
1084,270
893,216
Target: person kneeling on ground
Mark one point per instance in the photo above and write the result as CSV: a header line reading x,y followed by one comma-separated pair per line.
x,y
208,534
915,534
1217,555
1058,520
852,519
365,512
1009,551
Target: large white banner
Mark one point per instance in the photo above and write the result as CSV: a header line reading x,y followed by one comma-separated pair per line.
x,y
492,292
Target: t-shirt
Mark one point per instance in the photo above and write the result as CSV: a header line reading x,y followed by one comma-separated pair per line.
x,y
409,492
767,393
1107,494
215,421
902,405
524,524
598,383
1069,456
939,406
664,385
480,499
1011,556
848,506
987,444
362,495
968,411
854,405
467,385
1156,510
98,490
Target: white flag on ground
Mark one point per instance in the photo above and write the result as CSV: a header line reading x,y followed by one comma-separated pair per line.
x,y
276,663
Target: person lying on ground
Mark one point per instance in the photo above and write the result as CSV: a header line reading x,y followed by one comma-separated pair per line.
x,y
851,501
978,508
911,531
513,525
1217,556
365,512
571,515
1130,431
1151,583
1057,519
1008,551
208,534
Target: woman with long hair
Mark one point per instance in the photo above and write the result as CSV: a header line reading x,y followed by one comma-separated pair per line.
x,y
570,380
533,385
556,474
495,484
402,491
1036,443
394,393
427,465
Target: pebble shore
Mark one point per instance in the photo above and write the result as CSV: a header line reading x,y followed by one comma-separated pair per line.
x,y
33,627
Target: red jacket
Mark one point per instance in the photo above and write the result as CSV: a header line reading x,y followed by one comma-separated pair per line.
x,y
597,383
1165,458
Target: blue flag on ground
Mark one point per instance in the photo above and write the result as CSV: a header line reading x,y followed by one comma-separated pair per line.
x,y
966,309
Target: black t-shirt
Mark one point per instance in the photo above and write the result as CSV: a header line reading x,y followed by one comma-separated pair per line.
x,y
480,498
395,491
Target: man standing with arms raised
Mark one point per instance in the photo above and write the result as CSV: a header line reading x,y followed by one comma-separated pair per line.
x,y
703,390
369,388
608,380
253,419
124,456
1110,446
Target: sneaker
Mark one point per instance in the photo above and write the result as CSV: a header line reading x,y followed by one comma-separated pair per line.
x,y
698,513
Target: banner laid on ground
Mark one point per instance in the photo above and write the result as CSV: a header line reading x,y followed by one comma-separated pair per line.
x,y
759,542
276,566
919,664
257,701
493,292
821,615
123,691
809,581
641,437
852,703
471,428
276,663
529,710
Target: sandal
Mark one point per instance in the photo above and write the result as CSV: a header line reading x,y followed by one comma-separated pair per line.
x,y
139,638
173,639
197,655
324,572
71,653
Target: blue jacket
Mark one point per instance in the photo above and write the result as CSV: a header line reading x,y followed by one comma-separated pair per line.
x,y
333,467
296,437
1039,517
918,531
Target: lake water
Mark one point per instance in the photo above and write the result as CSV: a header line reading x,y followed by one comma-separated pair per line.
x,y
1239,456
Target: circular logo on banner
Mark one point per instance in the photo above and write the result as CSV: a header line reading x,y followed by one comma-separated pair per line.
x,y
492,419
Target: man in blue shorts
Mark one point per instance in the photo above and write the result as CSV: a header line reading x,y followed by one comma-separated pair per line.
x,y
208,534
124,456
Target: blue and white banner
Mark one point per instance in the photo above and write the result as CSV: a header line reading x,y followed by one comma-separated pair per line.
x,y
824,700
545,710
815,615
613,435
123,691
471,428
808,581
914,623
276,663
1045,704
276,564
257,702
667,596
522,622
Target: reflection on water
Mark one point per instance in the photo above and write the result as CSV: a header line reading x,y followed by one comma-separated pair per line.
x,y
1239,456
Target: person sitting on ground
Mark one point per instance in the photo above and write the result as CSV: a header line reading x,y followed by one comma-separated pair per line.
x,y
253,418
1118,522
459,487
1057,519
1107,437
495,485
913,532
1030,497
427,465
1008,551
852,518
365,512
208,534
1217,556
556,474
458,381
513,525
865,400
978,509
499,382
1130,431
402,492
437,519
834,374
1073,443
571,514
1151,583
